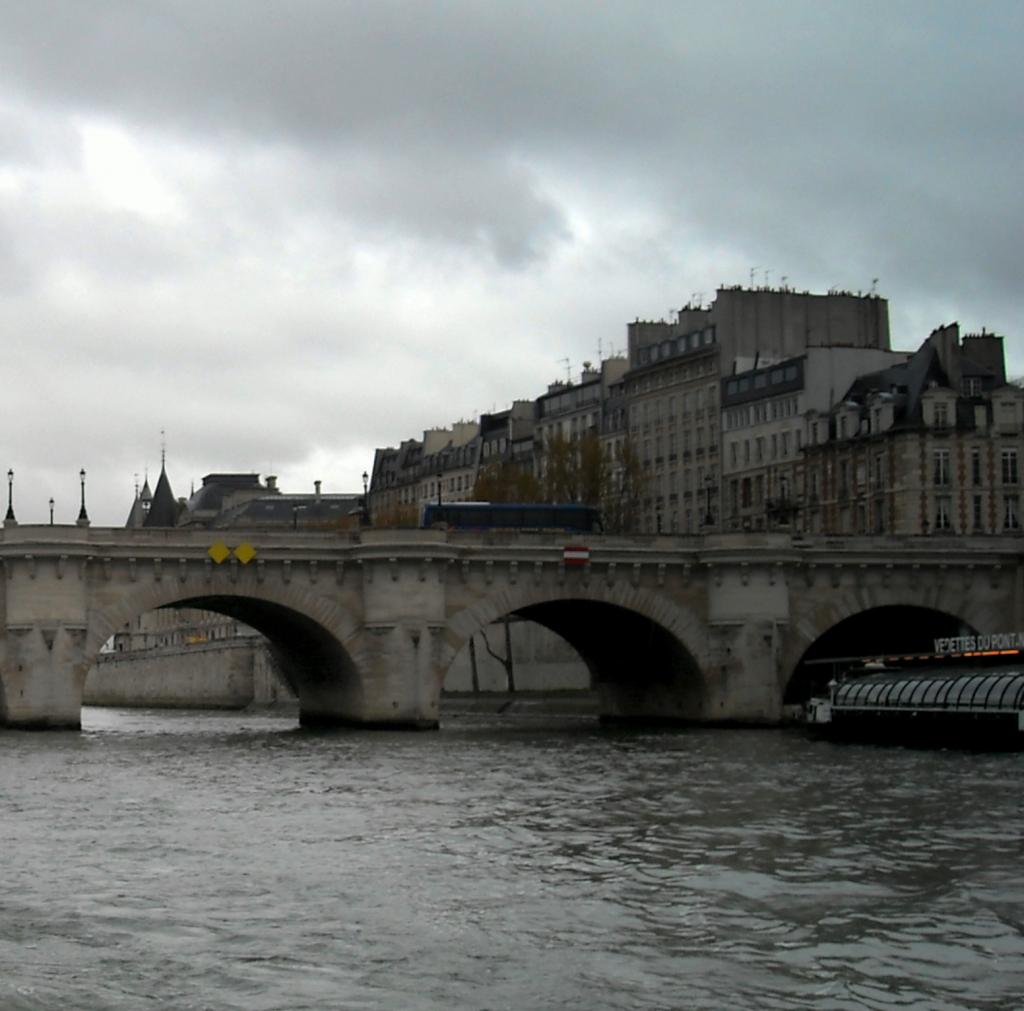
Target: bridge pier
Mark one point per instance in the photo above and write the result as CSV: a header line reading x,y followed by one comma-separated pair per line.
x,y
43,677
391,682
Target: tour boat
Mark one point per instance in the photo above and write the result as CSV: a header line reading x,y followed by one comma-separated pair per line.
x,y
940,700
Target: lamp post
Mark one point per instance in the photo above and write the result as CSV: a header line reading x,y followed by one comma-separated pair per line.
x,y
83,516
9,518
51,511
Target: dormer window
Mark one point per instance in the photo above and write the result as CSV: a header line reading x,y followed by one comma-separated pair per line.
x,y
970,386
940,415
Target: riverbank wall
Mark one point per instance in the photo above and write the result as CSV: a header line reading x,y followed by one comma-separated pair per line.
x,y
224,674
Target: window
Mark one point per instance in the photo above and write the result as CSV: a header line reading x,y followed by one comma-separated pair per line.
x,y
879,470
976,466
941,415
943,510
1011,513
977,515
970,386
1010,466
940,467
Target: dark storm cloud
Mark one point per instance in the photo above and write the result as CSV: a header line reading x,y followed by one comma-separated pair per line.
x,y
757,118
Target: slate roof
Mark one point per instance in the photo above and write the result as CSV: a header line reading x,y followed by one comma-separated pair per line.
x,y
286,510
210,498
163,512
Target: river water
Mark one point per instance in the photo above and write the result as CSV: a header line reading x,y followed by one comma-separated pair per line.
x,y
216,861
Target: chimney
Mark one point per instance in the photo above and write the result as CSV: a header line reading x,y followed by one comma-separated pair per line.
x,y
316,485
271,482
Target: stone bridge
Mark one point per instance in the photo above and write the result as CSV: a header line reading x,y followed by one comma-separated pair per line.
x,y
365,626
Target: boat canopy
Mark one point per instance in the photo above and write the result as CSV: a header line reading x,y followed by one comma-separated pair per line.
x,y
964,691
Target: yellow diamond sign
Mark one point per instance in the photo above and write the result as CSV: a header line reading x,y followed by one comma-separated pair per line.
x,y
219,552
245,552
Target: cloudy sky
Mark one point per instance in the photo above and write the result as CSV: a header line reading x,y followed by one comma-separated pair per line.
x,y
288,231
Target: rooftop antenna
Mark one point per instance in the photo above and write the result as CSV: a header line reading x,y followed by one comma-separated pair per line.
x,y
163,448
752,271
767,276
600,350
568,369
874,285
785,278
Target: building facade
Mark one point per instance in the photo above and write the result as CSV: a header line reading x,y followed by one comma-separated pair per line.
x,y
680,370
764,412
932,446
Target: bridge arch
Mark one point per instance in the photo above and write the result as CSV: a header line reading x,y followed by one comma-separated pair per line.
x,y
640,648
314,641
862,628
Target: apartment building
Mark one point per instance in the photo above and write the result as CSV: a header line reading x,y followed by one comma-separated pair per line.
x,y
764,410
443,465
930,446
674,388
673,421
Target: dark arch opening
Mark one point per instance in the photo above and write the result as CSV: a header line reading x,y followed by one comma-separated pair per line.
x,y
638,669
893,630
310,661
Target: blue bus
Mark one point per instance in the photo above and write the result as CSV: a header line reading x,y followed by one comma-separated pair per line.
x,y
511,516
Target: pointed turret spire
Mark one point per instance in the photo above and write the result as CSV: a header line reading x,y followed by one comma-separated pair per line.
x,y
163,510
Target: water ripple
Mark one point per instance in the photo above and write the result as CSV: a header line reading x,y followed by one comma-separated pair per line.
x,y
218,861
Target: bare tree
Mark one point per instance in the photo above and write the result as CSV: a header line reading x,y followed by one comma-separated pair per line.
x,y
506,660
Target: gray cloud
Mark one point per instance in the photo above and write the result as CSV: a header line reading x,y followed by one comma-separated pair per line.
x,y
289,231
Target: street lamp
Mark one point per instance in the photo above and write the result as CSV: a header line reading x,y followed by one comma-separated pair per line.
x,y
9,518
83,516
51,511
